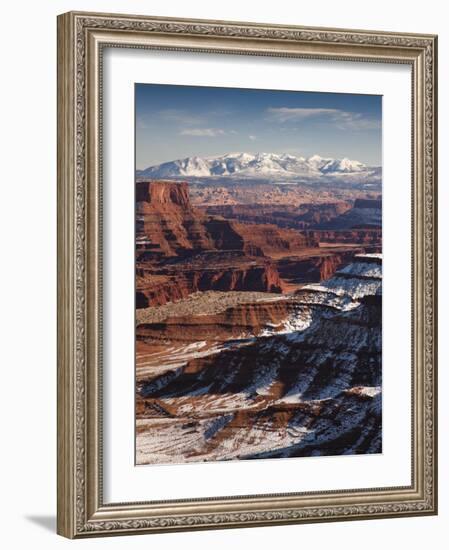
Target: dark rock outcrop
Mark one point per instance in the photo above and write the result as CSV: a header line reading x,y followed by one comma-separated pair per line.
x,y
302,216
367,237
314,268
366,213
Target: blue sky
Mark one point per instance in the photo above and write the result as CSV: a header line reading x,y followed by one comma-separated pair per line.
x,y
174,122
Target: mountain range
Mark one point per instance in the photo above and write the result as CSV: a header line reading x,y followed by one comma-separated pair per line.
x,y
266,166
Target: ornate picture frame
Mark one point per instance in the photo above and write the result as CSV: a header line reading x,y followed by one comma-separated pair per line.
x,y
82,38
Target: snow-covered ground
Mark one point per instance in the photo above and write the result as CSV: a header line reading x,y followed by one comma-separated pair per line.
x,y
352,282
274,167
298,396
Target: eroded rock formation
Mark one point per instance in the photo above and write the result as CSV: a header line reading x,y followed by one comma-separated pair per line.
x,y
298,375
180,249
301,216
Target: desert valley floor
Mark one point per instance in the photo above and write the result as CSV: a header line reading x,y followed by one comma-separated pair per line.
x,y
258,321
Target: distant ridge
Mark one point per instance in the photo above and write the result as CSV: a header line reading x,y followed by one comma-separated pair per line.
x,y
269,166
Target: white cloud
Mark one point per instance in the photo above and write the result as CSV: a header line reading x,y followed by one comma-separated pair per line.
x,y
343,120
283,114
252,138
202,132
180,116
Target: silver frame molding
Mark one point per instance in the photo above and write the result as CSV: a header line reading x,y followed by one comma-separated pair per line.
x,y
81,39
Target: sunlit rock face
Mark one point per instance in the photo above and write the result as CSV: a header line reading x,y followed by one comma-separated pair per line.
x,y
259,375
182,249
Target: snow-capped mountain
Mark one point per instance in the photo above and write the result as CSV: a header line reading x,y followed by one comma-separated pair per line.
x,y
268,166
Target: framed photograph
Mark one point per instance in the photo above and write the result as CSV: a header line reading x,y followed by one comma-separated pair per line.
x,y
246,274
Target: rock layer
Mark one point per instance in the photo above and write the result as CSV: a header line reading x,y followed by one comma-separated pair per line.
x,y
314,268
242,320
298,376
181,250
302,216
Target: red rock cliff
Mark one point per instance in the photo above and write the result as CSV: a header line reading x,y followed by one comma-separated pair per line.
x,y
163,194
180,250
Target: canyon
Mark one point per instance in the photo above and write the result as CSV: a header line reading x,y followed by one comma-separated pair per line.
x,y
298,375
258,323
181,248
